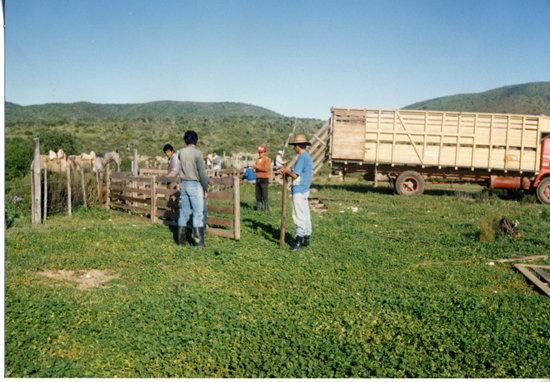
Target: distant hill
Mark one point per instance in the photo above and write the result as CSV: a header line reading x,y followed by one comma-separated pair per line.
x,y
530,99
159,109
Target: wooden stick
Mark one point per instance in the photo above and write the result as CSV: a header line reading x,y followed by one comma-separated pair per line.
x,y
69,188
45,191
36,181
237,208
83,186
283,213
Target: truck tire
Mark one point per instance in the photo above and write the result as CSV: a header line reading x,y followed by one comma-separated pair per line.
x,y
409,183
543,191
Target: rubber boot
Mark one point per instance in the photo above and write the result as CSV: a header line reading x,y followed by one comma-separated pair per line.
x,y
198,237
298,244
305,243
266,206
182,236
258,206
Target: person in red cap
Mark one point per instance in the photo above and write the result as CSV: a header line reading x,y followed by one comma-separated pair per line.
x,y
261,168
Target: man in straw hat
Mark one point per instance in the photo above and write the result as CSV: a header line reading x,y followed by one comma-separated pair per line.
x,y
301,180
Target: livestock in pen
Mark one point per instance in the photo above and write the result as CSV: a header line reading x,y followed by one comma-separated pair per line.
x,y
101,160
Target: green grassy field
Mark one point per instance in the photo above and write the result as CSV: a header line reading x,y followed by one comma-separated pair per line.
x,y
358,303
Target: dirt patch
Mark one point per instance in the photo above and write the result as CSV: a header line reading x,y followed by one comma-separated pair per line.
x,y
85,279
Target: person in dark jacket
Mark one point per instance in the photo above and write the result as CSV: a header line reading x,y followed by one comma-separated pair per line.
x,y
194,189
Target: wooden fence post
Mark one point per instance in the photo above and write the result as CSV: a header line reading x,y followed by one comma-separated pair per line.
x,y
36,219
237,207
45,191
69,188
135,169
97,180
283,214
108,196
101,191
83,186
153,198
32,192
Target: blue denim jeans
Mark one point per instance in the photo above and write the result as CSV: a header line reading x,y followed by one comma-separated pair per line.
x,y
300,214
192,197
204,214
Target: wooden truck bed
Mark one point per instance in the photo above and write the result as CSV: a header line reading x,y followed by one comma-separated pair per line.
x,y
436,138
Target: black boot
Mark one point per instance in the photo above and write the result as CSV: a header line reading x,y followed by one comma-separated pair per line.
x,y
305,243
182,236
198,237
258,206
298,244
266,206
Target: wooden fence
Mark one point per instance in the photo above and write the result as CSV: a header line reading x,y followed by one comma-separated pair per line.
x,y
155,198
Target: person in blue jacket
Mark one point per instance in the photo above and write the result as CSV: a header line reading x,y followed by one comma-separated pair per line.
x,y
301,181
249,174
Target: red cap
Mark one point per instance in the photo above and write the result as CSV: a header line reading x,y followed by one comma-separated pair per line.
x,y
262,149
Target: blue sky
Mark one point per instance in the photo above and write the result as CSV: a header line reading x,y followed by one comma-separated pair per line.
x,y
297,58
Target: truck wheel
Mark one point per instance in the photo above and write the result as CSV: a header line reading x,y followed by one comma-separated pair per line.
x,y
543,191
409,183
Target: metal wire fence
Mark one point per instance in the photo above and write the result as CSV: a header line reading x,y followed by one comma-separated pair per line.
x,y
54,195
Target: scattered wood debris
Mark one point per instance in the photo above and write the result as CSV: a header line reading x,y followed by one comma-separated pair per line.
x,y
522,258
317,205
542,285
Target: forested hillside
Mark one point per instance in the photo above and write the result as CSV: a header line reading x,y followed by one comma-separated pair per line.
x,y
160,109
531,99
231,134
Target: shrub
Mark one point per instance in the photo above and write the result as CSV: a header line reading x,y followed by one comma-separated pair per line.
x,y
56,139
19,156
488,228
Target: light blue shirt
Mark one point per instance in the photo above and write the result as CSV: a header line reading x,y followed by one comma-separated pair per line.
x,y
303,168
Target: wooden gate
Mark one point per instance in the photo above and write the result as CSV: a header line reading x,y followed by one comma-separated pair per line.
x,y
155,199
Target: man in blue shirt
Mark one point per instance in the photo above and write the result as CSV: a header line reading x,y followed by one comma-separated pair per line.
x,y
301,180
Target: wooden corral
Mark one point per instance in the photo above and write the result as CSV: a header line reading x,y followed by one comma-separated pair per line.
x,y
155,198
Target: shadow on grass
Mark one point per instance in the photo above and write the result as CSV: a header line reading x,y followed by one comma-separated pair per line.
x,y
481,195
268,232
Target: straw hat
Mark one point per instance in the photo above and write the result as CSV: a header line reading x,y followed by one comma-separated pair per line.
x,y
300,139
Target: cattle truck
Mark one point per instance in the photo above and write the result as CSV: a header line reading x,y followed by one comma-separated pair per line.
x,y
497,150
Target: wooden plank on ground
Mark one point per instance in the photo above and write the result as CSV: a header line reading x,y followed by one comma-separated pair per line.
x,y
532,266
221,209
522,258
221,232
543,287
542,274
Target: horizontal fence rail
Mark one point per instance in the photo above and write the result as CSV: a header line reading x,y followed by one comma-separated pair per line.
x,y
156,199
